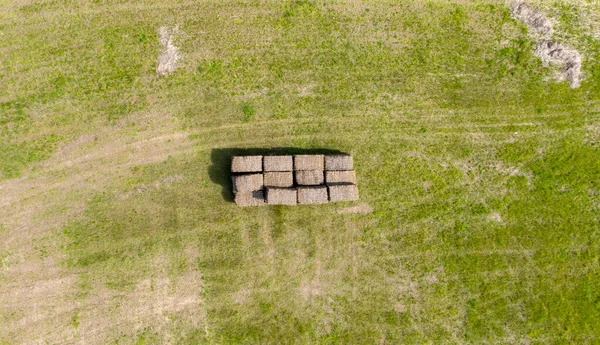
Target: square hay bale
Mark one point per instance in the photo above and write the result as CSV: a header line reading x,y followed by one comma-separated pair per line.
x,y
340,177
309,162
255,198
247,183
344,192
243,164
282,196
278,163
279,179
313,195
309,178
339,162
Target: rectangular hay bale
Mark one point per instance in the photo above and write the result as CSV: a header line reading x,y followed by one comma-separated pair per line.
x,y
255,198
309,177
247,182
278,163
309,162
242,164
279,179
340,177
282,196
313,195
339,162
346,192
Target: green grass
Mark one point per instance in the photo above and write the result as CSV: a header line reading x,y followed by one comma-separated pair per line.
x,y
483,174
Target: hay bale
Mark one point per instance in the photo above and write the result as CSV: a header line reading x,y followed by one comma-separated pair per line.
x,y
278,163
247,183
309,178
282,196
339,162
242,164
345,192
312,195
309,162
340,177
255,198
279,179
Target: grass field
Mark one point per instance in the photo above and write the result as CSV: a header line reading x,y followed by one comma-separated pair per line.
x,y
479,219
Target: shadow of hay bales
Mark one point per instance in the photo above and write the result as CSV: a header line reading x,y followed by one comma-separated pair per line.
x,y
220,169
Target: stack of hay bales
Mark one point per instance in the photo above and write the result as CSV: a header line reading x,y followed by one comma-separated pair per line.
x,y
248,184
309,169
341,178
279,180
282,196
310,179
287,180
313,195
278,171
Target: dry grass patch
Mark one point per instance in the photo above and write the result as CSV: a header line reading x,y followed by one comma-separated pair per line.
x,y
34,207
156,303
362,208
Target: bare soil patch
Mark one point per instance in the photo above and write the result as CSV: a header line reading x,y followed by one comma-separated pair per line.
x,y
169,59
537,22
548,50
